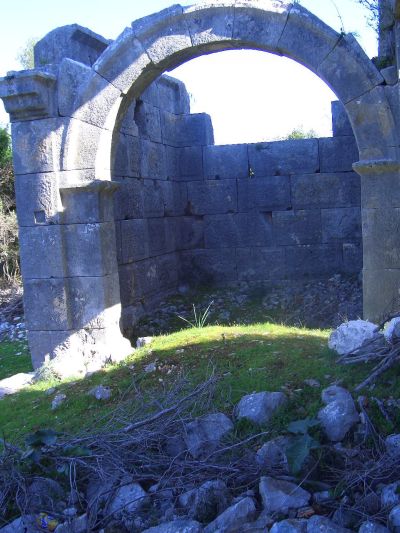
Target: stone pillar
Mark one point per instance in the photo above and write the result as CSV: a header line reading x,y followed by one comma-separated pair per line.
x,y
380,201
67,237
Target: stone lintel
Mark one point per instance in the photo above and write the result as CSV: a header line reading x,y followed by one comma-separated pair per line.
x,y
376,167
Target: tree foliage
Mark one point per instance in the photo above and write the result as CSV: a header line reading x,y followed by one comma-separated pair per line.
x,y
25,55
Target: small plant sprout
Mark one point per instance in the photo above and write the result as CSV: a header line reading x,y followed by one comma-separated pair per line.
x,y
199,319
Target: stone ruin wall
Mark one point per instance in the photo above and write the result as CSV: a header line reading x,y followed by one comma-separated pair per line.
x,y
189,211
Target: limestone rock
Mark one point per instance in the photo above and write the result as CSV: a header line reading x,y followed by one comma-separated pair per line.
x,y
272,455
202,435
25,524
392,443
372,527
77,525
261,525
15,383
394,519
100,392
44,493
259,407
231,520
321,524
207,502
183,526
351,335
143,341
280,496
289,526
128,499
392,330
340,413
390,495
57,401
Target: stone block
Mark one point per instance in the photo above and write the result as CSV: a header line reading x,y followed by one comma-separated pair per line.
x,y
381,238
343,224
71,76
46,345
349,70
241,229
37,145
128,125
123,62
191,233
337,154
260,264
129,199
269,193
380,190
38,200
88,202
167,272
41,252
46,305
72,41
163,35
174,197
297,227
340,121
352,258
153,162
208,266
147,118
212,196
187,130
281,158
307,39
260,23
127,156
173,96
172,161
134,240
153,204
380,293
157,236
375,129
313,261
210,23
326,190
90,249
191,162
127,284
222,162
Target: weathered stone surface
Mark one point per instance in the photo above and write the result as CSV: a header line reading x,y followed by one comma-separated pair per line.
x,y
210,25
254,264
132,61
134,240
341,224
191,163
297,227
203,435
147,117
259,407
351,335
153,160
381,238
15,383
379,288
207,502
394,519
172,96
284,157
308,260
340,413
340,121
349,70
352,258
128,156
392,443
128,498
272,454
183,526
76,525
279,496
289,526
187,130
231,520
325,190
37,198
390,495
307,39
100,392
337,154
265,194
372,527
72,41
324,525
212,197
242,229
226,162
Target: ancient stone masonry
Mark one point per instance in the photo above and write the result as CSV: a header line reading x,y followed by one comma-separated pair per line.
x,y
121,193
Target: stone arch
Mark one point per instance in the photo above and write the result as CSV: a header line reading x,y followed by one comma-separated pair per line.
x,y
81,107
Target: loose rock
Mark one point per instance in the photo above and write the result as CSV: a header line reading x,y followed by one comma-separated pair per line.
x,y
204,434
372,527
289,526
394,519
351,335
57,401
100,392
321,524
280,496
233,518
181,526
259,407
340,413
128,499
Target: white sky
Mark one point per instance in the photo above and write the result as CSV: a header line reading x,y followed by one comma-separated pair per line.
x,y
251,96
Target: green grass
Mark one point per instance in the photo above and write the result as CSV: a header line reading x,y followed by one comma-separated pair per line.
x,y
14,358
248,358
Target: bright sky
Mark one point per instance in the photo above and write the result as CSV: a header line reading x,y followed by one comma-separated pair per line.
x,y
251,96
